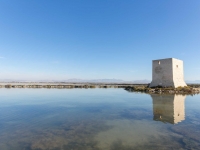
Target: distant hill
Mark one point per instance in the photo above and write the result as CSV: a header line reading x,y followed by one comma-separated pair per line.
x,y
192,81
108,81
96,80
141,81
74,80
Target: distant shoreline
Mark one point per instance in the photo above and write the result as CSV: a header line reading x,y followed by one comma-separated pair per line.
x,y
64,85
190,89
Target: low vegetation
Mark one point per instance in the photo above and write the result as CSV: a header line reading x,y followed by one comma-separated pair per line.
x,y
190,89
159,89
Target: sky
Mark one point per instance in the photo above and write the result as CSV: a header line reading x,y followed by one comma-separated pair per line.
x,y
96,39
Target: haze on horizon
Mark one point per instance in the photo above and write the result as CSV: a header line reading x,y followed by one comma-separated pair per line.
x,y
101,39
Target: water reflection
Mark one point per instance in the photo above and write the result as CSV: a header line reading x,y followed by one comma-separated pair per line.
x,y
99,119
168,108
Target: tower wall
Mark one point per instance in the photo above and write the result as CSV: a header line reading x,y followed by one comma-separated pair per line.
x,y
167,73
178,75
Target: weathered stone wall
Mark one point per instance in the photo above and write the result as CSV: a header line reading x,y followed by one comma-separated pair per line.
x,y
178,75
167,73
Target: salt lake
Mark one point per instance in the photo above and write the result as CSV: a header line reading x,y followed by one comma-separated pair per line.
x,y
97,119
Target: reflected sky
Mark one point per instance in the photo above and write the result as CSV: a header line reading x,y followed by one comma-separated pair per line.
x,y
97,119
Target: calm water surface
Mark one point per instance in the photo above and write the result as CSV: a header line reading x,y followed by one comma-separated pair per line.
x,y
97,119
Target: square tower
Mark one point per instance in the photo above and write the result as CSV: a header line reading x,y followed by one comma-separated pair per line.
x,y
167,73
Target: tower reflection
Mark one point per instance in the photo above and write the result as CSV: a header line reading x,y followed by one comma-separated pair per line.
x,y
168,108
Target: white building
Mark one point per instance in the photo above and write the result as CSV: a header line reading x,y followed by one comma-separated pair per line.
x,y
167,73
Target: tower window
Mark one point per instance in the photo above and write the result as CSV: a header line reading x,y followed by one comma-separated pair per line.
x,y
176,66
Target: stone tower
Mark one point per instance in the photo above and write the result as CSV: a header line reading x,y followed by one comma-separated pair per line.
x,y
167,73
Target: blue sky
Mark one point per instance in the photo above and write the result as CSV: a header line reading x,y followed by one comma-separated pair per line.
x,y
96,39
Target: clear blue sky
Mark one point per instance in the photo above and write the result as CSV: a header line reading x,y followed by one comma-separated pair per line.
x,y
96,39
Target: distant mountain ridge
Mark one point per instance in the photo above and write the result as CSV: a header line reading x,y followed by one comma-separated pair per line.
x,y
74,80
95,80
192,81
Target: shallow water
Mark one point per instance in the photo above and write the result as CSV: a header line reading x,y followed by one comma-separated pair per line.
x,y
97,119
